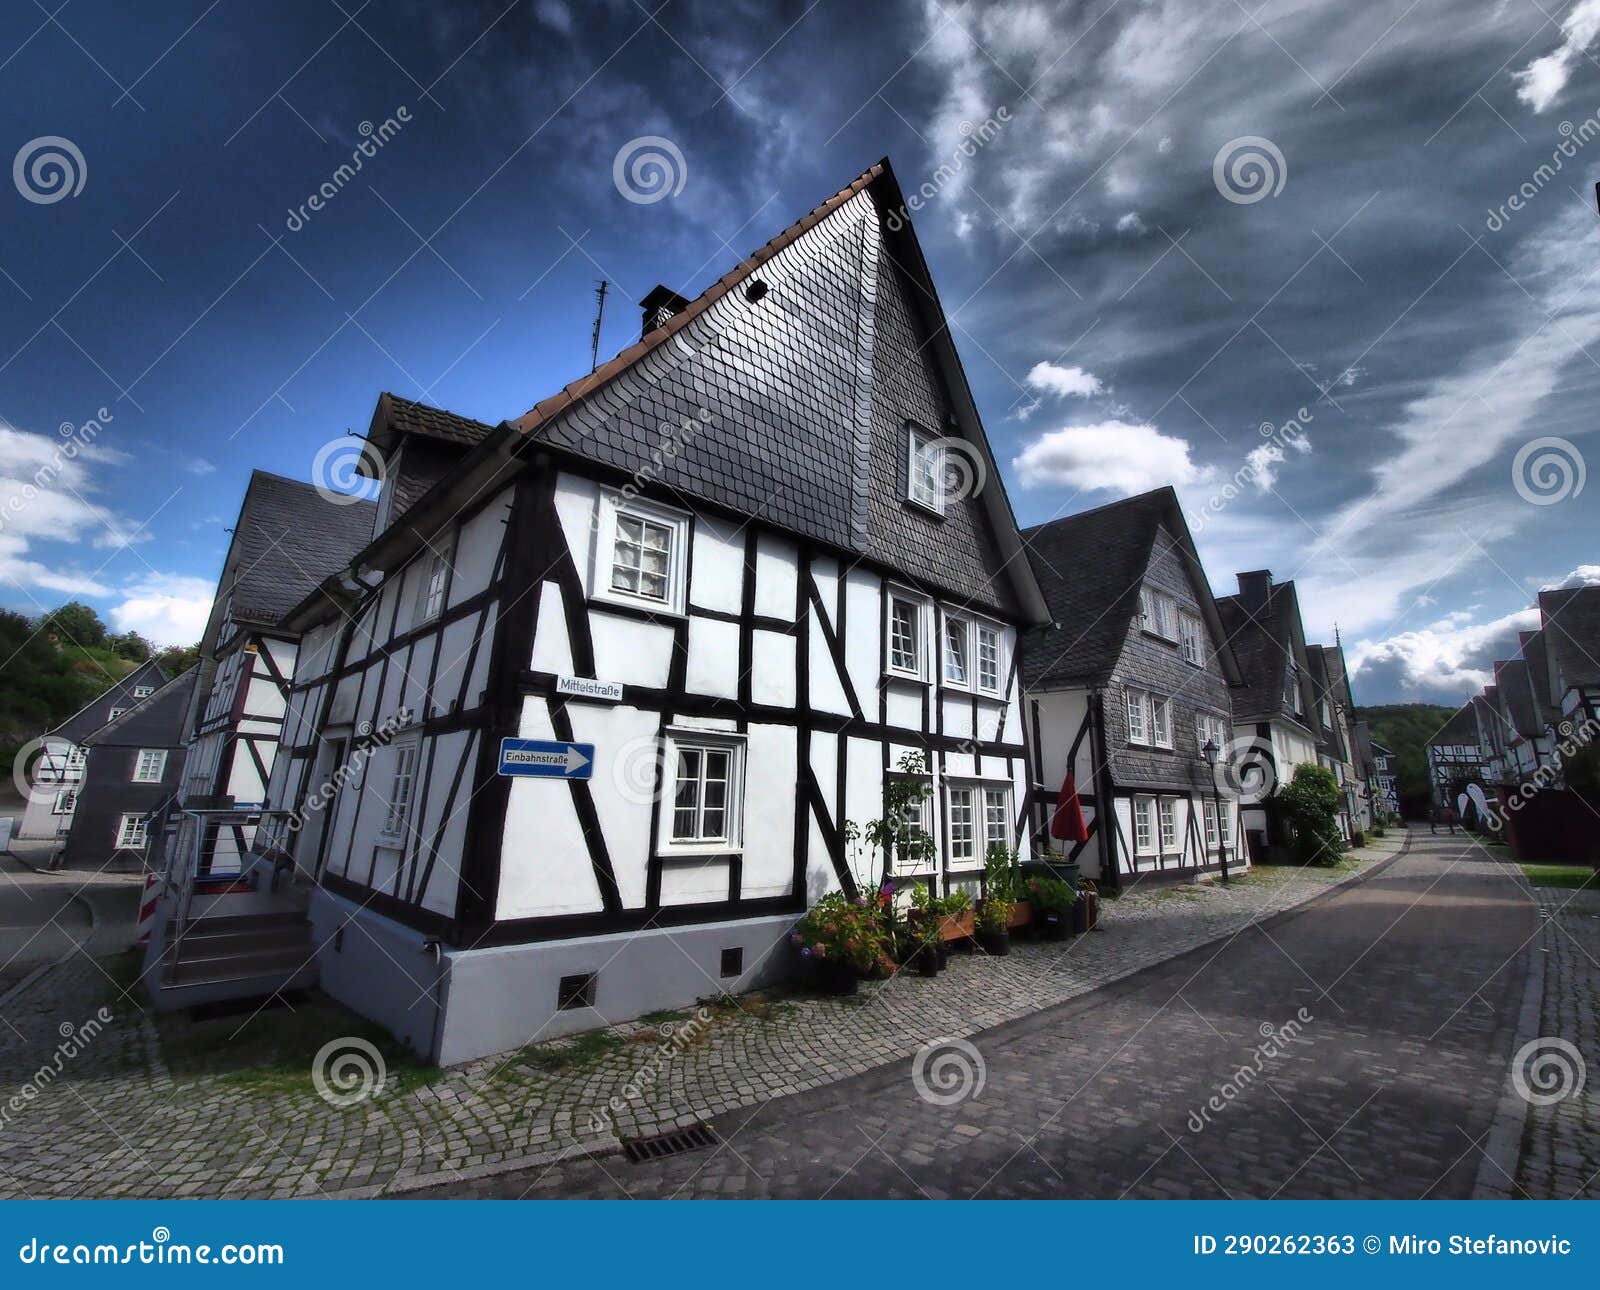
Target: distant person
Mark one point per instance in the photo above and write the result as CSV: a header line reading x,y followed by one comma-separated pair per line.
x,y
1433,819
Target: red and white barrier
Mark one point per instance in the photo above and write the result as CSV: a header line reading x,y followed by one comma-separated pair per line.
x,y
147,906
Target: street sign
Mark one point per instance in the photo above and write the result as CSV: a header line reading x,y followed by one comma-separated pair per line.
x,y
586,687
546,759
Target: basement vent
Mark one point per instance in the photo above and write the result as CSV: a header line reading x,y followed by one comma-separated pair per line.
x,y
676,1143
576,992
733,961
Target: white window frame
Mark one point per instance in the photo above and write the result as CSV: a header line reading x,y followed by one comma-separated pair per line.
x,y
1209,812
115,713
1160,720
702,741
1291,689
133,832
1144,826
920,490
401,798
1137,705
614,508
66,801
1167,824
77,758
954,827
433,592
143,691
923,619
1212,726
1147,609
996,801
1225,820
1191,639
919,815
956,630
152,774
992,631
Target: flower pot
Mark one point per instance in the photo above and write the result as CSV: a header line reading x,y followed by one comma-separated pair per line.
x,y
928,961
1053,924
1089,902
1080,913
941,952
995,942
837,978
1021,914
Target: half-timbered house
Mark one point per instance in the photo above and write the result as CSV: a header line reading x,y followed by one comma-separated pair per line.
x,y
713,596
1274,722
1127,687
56,777
288,537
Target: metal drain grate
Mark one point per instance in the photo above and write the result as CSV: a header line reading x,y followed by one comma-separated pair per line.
x,y
638,1150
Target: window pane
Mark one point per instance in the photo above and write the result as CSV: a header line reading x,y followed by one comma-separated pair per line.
x,y
988,658
955,651
903,636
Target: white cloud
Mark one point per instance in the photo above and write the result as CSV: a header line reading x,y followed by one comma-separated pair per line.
x,y
1448,658
1585,575
1063,382
1262,461
168,609
1540,83
1115,456
1131,225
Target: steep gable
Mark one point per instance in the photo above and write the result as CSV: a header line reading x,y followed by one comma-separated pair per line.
x,y
155,721
97,712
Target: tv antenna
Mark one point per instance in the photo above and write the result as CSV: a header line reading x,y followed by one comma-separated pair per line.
x,y
599,313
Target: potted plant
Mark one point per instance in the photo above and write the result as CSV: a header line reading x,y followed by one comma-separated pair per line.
x,y
1002,880
1053,901
994,925
956,921
841,940
930,948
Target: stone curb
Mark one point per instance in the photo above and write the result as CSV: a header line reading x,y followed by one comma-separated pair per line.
x,y
405,1183
27,982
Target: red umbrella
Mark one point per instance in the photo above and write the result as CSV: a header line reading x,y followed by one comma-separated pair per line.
x,y
1067,821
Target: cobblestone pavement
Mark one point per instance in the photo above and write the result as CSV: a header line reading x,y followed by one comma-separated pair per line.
x,y
114,1121
1561,1136
45,916
1353,1049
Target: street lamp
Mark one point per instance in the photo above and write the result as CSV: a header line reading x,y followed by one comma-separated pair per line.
x,y
1209,752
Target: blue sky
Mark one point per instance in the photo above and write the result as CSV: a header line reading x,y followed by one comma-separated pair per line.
x,y
1131,307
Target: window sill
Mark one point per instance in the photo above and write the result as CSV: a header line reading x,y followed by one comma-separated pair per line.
x,y
906,677
636,605
697,854
923,509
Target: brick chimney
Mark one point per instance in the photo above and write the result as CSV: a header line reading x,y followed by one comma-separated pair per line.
x,y
1254,588
659,306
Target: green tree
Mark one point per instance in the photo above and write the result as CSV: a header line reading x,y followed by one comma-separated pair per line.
x,y
74,623
129,645
1310,803
177,659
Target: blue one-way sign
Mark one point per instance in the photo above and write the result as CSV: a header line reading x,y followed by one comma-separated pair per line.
x,y
546,759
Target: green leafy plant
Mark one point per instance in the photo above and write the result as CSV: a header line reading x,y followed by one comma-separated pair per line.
x,y
955,904
994,915
1002,874
1310,803
839,931
1051,895
896,839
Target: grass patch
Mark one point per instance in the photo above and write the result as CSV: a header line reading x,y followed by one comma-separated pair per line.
x,y
1573,876
272,1050
562,1055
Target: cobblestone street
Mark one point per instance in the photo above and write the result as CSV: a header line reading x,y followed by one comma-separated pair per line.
x,y
115,1121
1355,1049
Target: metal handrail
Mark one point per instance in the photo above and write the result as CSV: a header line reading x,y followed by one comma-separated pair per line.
x,y
184,863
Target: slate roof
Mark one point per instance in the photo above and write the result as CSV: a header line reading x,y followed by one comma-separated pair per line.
x,y
791,406
1263,644
97,711
156,721
1571,626
395,416
1325,683
288,538
1533,652
1516,692
1090,567
1461,728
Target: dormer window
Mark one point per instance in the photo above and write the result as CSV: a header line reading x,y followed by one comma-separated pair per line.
x,y
143,691
924,470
